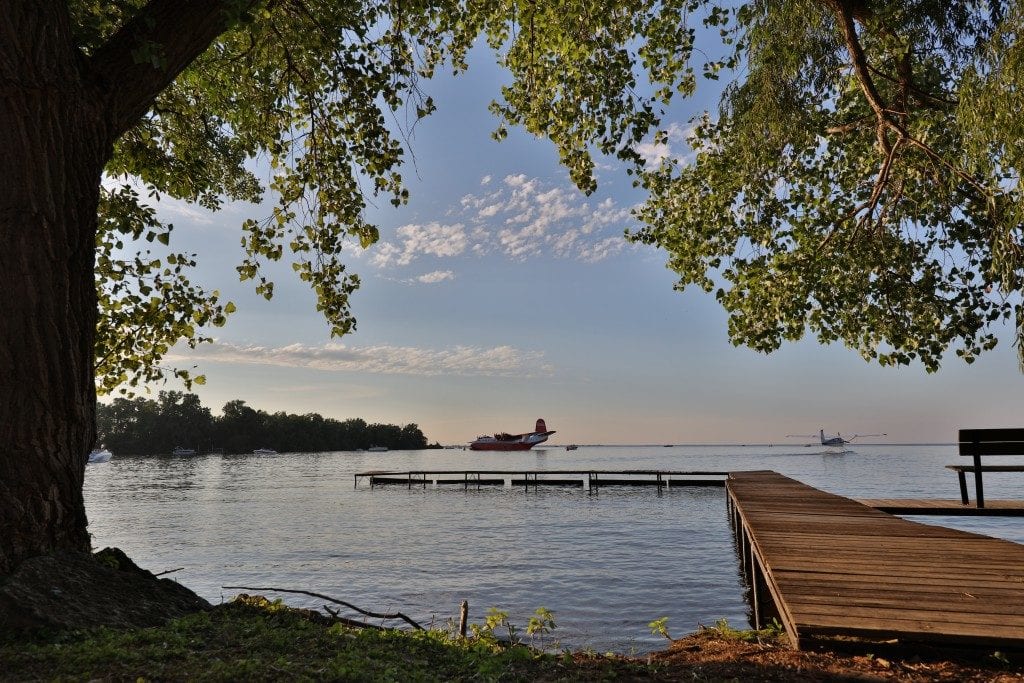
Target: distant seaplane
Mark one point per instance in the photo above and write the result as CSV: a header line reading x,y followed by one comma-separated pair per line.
x,y
836,440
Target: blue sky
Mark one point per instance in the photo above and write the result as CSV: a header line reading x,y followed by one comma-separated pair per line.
x,y
501,294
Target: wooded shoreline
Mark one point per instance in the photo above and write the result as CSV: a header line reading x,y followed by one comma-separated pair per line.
x,y
140,426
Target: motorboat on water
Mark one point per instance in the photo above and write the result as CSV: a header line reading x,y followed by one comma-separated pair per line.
x,y
377,449
264,451
100,454
571,447
181,450
512,442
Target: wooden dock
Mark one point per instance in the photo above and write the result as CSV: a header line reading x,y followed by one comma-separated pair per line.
x,y
592,480
945,507
830,567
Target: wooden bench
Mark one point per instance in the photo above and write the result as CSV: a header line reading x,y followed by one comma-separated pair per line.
x,y
983,442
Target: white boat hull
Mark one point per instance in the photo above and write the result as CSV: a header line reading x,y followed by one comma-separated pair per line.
x,y
100,455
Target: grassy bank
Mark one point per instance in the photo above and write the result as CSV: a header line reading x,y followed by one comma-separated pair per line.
x,y
240,641
258,640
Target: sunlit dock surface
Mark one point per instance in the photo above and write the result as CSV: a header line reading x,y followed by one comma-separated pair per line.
x,y
586,479
830,566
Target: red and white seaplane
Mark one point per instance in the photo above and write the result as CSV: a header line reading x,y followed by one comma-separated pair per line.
x,y
512,442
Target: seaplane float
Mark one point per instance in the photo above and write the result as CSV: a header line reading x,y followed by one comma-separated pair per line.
x,y
512,442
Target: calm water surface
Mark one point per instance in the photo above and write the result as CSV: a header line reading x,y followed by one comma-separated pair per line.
x,y
605,564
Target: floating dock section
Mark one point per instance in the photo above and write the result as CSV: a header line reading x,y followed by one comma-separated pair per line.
x,y
592,480
830,566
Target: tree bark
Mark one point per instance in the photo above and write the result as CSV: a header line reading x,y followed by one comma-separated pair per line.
x,y
53,153
61,112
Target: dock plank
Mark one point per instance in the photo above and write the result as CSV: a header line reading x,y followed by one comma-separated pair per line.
x,y
834,566
934,506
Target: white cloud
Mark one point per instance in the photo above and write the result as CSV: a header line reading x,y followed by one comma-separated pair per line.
x,y
558,220
601,250
498,361
489,211
177,208
653,153
517,180
520,216
383,254
436,276
432,239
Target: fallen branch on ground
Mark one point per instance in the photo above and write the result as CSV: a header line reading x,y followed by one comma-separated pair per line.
x,y
169,571
396,615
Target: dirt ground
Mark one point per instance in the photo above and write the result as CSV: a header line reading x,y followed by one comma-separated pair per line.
x,y
710,655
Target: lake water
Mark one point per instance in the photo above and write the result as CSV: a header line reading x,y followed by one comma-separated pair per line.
x,y
605,564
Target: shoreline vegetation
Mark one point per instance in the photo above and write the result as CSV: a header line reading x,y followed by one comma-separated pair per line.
x,y
101,617
253,638
140,426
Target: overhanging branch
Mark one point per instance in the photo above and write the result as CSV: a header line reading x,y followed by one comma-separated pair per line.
x,y
146,54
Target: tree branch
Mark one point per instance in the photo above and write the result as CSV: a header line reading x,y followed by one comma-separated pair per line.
x,y
849,11
396,615
938,158
844,128
880,182
923,97
146,54
845,12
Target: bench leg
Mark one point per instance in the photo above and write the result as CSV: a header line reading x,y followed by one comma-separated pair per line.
x,y
979,495
963,487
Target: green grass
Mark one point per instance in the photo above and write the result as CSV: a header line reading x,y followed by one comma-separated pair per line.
x,y
241,641
773,632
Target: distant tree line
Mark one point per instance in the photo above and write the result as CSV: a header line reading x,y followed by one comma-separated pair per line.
x,y
140,426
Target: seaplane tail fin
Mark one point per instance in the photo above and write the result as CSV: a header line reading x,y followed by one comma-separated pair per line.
x,y
541,427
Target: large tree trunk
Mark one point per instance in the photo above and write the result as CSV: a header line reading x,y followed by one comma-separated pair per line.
x,y
61,111
52,153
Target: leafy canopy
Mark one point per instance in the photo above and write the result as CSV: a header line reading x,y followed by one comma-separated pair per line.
x,y
859,182
306,87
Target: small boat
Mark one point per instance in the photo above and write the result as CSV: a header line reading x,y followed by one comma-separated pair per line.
x,y
512,442
377,449
571,447
264,451
100,454
181,450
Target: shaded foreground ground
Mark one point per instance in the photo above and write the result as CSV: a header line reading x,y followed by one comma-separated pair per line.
x,y
256,640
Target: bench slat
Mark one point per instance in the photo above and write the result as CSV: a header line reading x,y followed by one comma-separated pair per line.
x,y
999,434
1008,441
992,448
